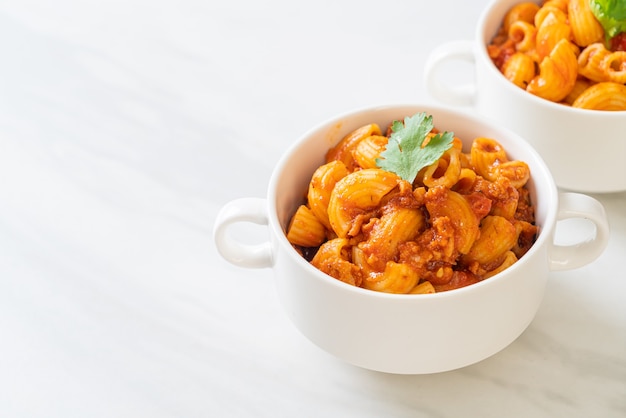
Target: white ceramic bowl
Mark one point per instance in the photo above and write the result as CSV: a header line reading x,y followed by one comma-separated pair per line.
x,y
583,148
408,334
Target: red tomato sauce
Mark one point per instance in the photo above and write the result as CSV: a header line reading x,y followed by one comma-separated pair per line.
x,y
618,42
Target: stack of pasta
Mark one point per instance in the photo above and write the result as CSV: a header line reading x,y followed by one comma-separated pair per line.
x,y
559,51
463,219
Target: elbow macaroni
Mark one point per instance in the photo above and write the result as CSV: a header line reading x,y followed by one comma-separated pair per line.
x,y
585,27
466,217
555,50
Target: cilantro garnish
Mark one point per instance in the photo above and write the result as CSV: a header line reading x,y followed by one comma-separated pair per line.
x,y
407,151
611,14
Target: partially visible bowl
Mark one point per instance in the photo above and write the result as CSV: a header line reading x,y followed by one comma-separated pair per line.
x,y
583,148
407,334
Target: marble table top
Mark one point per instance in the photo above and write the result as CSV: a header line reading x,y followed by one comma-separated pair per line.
x,y
126,125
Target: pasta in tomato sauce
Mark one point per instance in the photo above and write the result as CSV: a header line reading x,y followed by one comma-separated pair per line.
x,y
557,50
463,219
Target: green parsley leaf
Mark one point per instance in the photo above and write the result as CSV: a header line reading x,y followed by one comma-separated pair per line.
x,y
611,14
406,154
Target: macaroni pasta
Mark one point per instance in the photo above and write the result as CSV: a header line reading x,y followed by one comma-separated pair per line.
x,y
556,50
466,217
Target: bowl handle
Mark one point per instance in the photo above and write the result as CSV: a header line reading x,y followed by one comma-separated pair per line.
x,y
459,95
243,255
576,205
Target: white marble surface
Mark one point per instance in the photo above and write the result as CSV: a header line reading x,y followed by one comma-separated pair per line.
x,y
126,125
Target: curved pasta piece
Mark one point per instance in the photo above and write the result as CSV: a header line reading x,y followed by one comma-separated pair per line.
x,y
581,85
368,150
442,202
552,12
423,288
526,235
504,198
521,12
524,34
525,210
600,64
465,183
393,228
457,143
559,4
485,154
557,73
549,34
585,27
343,150
497,236
356,194
615,67
517,172
397,278
305,229
359,258
590,62
507,261
331,259
321,186
445,171
519,69
603,96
